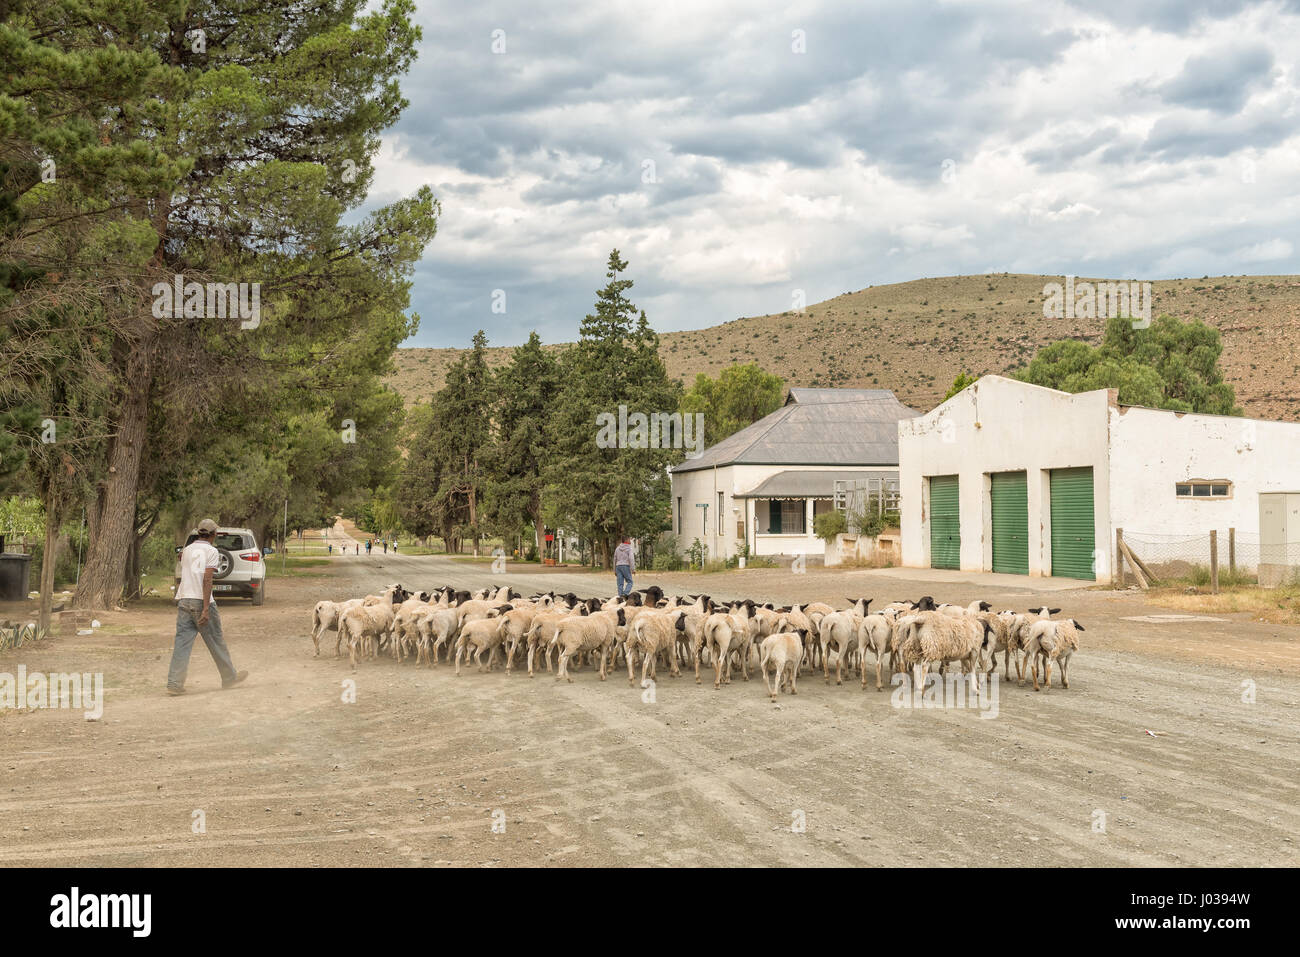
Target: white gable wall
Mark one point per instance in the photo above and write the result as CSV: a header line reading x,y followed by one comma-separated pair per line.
x,y
1000,425
1151,450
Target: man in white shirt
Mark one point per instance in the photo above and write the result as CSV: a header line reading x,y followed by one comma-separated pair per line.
x,y
196,612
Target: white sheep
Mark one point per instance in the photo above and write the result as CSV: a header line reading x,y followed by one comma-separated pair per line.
x,y
363,626
649,635
783,651
1051,641
874,634
482,635
726,633
838,631
587,633
936,639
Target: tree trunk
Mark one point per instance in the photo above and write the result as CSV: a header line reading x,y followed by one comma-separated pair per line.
x,y
131,578
49,558
535,513
113,514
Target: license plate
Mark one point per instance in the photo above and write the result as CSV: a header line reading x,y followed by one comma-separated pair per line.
x,y
222,587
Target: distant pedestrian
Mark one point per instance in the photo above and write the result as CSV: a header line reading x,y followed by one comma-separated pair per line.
x,y
385,546
196,612
331,548
367,546
358,546
394,544
624,566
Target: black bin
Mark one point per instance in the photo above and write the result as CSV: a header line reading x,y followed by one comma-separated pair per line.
x,y
15,576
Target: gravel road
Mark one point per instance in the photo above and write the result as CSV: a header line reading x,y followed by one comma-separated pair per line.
x,y
425,768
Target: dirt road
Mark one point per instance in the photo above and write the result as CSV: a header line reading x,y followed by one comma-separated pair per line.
x,y
423,766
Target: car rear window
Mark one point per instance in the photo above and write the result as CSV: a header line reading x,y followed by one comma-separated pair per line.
x,y
230,541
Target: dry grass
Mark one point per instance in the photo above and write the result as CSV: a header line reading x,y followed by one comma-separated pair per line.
x,y
979,324
1278,606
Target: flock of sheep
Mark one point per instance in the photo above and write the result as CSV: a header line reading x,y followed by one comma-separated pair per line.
x,y
647,628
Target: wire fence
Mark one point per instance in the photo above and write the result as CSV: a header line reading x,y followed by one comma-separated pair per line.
x,y
1240,556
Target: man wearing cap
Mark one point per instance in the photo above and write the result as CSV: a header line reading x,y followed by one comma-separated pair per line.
x,y
196,612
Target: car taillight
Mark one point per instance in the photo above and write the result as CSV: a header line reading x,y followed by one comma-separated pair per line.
x,y
251,556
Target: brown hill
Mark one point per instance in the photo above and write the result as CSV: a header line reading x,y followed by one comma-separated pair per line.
x,y
915,337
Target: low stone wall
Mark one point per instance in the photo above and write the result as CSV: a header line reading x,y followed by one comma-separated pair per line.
x,y
880,550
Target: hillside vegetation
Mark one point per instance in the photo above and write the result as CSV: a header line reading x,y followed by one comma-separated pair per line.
x,y
915,337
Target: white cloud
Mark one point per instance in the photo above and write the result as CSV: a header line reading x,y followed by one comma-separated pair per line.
x,y
1078,141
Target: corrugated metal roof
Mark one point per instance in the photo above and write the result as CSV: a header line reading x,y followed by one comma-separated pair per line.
x,y
805,483
816,427
835,395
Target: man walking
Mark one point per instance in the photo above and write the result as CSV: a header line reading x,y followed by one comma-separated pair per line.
x,y
196,612
624,565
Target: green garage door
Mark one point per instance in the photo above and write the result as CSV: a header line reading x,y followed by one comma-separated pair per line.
x,y
945,524
1073,528
1010,496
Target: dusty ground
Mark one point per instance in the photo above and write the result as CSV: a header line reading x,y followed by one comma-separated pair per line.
x,y
587,773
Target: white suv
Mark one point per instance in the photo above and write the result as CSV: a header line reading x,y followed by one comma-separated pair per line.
x,y
241,571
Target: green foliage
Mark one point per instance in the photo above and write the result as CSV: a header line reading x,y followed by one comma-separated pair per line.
x,y
525,392
829,524
420,476
461,414
664,554
740,396
22,515
872,523
1170,365
602,492
697,554
238,161
959,383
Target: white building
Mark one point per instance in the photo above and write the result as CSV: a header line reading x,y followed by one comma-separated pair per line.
x,y
1011,477
763,486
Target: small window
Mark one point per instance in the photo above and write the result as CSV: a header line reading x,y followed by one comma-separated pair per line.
x,y
679,514
1203,488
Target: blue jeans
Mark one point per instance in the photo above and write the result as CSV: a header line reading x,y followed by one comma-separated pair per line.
x,y
624,575
188,611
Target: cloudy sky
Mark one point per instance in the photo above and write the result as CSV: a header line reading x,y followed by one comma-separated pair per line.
x,y
738,153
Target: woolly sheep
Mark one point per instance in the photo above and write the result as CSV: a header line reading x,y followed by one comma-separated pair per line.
x,y
783,652
1051,641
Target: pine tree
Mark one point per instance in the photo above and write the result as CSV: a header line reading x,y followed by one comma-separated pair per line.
x,y
232,141
526,390
605,492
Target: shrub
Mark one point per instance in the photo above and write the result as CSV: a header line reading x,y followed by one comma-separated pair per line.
x,y
829,524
